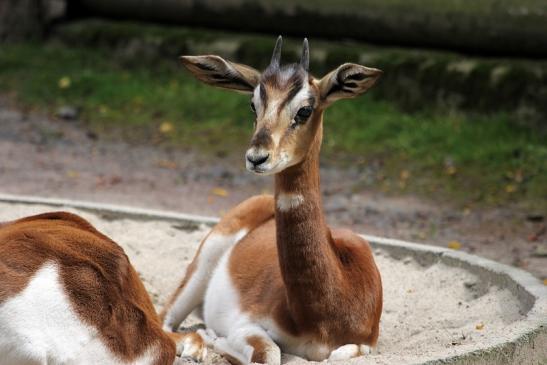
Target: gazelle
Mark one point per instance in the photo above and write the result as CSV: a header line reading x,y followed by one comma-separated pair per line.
x,y
69,295
271,274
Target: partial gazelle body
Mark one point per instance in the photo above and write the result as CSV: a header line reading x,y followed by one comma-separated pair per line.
x,y
272,275
69,295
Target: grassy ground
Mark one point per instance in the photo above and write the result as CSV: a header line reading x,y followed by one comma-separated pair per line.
x,y
463,158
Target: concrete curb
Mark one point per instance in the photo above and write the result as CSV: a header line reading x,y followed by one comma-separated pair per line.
x,y
528,346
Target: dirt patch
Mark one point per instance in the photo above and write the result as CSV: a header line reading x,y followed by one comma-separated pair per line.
x,y
53,158
429,311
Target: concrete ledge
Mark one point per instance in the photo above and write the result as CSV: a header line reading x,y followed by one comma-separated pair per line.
x,y
528,346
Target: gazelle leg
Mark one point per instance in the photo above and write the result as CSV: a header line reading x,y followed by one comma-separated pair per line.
x,y
349,351
245,345
190,344
232,227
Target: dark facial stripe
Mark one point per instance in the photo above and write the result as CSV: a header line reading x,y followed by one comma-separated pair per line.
x,y
297,84
262,138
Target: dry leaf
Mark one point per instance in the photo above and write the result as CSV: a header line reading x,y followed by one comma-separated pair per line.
x,y
405,174
544,281
510,188
220,192
451,170
72,174
519,176
454,245
64,82
166,127
103,109
479,326
166,164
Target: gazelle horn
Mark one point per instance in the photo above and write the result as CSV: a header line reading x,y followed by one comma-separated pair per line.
x,y
276,57
305,58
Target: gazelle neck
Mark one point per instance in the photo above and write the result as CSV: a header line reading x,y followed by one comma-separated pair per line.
x,y
304,245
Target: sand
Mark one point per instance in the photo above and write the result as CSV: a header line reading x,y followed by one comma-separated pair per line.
x,y
429,311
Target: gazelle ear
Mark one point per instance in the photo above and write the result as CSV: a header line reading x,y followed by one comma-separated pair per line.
x,y
347,81
216,71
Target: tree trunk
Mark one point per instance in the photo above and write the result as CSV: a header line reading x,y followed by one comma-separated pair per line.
x,y
20,19
27,19
510,27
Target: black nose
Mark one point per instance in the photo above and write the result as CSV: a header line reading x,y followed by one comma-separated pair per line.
x,y
257,159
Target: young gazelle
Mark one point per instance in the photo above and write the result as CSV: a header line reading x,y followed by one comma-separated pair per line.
x,y
68,295
272,275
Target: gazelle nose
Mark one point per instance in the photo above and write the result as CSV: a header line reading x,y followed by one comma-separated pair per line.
x,y
257,159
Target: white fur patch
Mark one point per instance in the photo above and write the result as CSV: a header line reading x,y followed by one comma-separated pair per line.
x,y
39,325
189,348
194,292
288,201
349,351
224,317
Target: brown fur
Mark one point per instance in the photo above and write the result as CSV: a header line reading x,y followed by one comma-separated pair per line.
x,y
260,347
314,282
247,215
105,290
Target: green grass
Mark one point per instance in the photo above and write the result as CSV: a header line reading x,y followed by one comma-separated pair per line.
x,y
461,158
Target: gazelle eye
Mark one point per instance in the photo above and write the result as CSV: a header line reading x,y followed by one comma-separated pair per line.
x,y
303,114
253,107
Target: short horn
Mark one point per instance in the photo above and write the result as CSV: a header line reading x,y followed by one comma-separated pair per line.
x,y
305,58
276,56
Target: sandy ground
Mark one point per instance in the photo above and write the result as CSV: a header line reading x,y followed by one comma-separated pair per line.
x,y
428,311
54,158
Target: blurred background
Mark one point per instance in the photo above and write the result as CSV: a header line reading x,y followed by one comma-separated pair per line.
x,y
450,148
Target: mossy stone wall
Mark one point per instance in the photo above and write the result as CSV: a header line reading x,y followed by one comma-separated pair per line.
x,y
414,79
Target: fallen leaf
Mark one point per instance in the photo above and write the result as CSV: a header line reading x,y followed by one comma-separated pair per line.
x,y
544,281
479,326
454,245
103,109
115,180
537,235
220,192
64,82
451,170
166,127
72,174
166,164
510,188
519,176
405,174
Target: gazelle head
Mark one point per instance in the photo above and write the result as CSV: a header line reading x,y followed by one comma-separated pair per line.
x,y
287,102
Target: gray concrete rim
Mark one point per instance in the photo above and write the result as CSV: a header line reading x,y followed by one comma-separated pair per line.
x,y
529,346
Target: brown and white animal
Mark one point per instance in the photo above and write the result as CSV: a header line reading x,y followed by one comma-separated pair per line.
x,y
69,295
272,275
